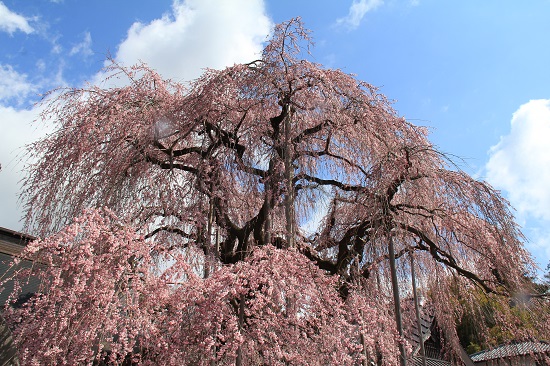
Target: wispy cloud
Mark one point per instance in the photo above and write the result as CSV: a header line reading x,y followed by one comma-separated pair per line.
x,y
84,48
357,11
12,22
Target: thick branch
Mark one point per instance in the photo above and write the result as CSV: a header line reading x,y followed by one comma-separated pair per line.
x,y
329,182
323,264
169,164
170,229
311,131
228,139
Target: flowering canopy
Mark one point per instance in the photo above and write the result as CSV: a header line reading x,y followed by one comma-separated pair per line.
x,y
103,298
221,181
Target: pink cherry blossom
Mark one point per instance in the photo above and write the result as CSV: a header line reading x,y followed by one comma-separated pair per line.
x,y
173,216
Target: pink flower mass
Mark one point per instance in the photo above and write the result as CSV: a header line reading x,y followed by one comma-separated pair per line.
x,y
173,218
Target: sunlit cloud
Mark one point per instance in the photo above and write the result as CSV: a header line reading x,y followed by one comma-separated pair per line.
x,y
17,131
11,22
197,35
520,162
520,165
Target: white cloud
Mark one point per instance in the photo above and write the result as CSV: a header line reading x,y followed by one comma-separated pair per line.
x,y
17,131
84,47
520,165
538,236
13,85
11,22
357,11
520,162
197,34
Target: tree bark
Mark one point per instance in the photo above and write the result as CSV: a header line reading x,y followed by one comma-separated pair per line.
x,y
289,198
268,198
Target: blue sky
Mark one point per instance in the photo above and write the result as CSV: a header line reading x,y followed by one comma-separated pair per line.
x,y
476,72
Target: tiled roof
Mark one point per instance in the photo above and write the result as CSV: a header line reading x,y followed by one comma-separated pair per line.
x,y
417,361
511,350
426,321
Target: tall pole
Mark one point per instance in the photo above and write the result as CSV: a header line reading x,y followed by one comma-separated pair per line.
x,y
208,243
208,260
417,310
396,301
239,359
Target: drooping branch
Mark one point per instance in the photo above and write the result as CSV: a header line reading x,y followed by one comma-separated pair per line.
x,y
369,267
441,256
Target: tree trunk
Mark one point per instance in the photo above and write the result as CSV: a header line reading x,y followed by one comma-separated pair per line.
x,y
268,198
289,176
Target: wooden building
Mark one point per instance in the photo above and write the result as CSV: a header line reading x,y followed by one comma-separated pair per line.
x,y
11,244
